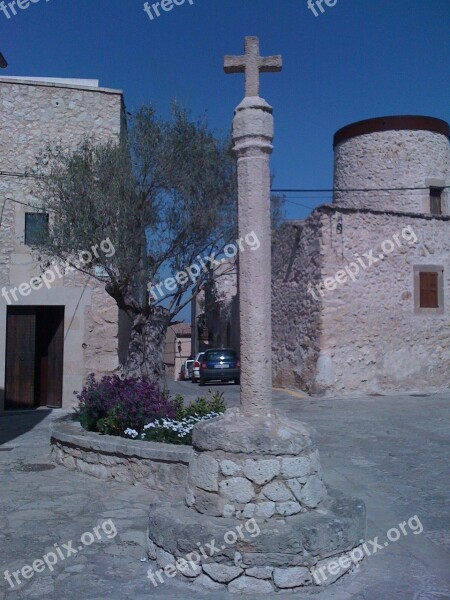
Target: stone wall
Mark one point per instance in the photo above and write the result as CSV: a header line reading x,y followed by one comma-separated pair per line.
x,y
296,260
360,333
392,159
373,339
154,465
33,115
359,327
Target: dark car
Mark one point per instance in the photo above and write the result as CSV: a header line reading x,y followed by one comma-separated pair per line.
x,y
220,364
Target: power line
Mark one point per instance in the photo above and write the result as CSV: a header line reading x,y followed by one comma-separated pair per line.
x,y
23,204
21,175
275,190
299,204
402,189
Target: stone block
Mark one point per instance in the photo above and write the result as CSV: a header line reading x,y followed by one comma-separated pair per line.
x,y
205,582
296,485
209,503
228,510
260,572
313,492
299,466
204,472
277,492
261,471
237,489
230,468
249,585
164,558
234,432
188,569
265,509
221,573
292,577
249,511
331,569
287,509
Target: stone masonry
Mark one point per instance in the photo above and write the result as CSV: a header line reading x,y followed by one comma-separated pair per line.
x,y
366,333
285,481
34,114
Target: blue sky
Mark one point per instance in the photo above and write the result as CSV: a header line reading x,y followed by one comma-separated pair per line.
x,y
360,59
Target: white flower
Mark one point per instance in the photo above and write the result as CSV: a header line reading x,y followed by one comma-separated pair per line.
x,y
181,428
131,432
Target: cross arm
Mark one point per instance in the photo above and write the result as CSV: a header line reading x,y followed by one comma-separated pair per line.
x,y
234,64
271,64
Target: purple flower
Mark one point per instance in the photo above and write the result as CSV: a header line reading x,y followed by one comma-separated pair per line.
x,y
113,405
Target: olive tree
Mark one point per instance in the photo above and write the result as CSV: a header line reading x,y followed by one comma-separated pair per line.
x,y
165,197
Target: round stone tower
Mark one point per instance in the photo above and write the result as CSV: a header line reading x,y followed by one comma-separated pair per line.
x,y
391,154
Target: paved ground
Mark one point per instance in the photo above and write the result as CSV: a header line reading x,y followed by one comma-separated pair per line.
x,y
391,451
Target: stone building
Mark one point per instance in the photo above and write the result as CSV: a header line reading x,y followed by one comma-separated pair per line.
x,y
215,311
177,349
52,336
361,288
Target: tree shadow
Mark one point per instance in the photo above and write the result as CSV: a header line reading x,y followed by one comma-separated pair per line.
x,y
15,423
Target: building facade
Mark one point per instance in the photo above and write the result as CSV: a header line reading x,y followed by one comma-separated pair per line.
x,y
51,336
361,288
177,349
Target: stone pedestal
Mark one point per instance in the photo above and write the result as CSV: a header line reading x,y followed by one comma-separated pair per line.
x,y
258,517
259,467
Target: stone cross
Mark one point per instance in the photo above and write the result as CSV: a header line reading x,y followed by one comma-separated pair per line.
x,y
252,64
252,138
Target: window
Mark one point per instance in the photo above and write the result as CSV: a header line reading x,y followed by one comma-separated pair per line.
x,y
36,228
428,290
436,201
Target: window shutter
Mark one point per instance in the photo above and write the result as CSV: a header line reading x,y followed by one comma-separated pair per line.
x,y
436,201
429,290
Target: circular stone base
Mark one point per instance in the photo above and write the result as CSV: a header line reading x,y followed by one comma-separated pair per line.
x,y
262,467
235,432
308,549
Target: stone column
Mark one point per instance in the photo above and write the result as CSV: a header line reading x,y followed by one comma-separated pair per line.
x,y
252,137
252,463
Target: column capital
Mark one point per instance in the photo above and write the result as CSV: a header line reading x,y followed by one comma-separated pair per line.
x,y
253,127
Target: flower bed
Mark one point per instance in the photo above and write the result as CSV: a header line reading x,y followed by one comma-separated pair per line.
x,y
157,466
131,432
136,408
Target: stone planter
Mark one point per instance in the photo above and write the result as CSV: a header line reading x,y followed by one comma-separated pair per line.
x,y
154,465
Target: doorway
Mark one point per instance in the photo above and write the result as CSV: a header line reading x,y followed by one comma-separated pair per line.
x,y
34,357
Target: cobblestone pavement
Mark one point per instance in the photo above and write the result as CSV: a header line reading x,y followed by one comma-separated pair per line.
x,y
390,451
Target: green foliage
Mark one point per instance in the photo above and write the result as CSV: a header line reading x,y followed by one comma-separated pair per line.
x,y
202,406
163,195
179,430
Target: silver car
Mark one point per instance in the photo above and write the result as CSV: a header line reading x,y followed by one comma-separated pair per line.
x,y
196,367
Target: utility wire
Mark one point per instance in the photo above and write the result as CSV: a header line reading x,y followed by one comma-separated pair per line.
x,y
22,175
289,191
281,191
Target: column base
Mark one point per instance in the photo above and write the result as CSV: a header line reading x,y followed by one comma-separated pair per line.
x,y
206,552
258,517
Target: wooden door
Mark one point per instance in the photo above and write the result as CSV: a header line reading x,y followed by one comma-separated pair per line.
x,y
55,353
20,358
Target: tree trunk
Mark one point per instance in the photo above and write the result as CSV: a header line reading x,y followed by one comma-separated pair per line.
x,y
146,348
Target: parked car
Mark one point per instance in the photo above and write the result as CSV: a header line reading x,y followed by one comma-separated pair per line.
x,y
196,367
189,367
220,364
186,370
